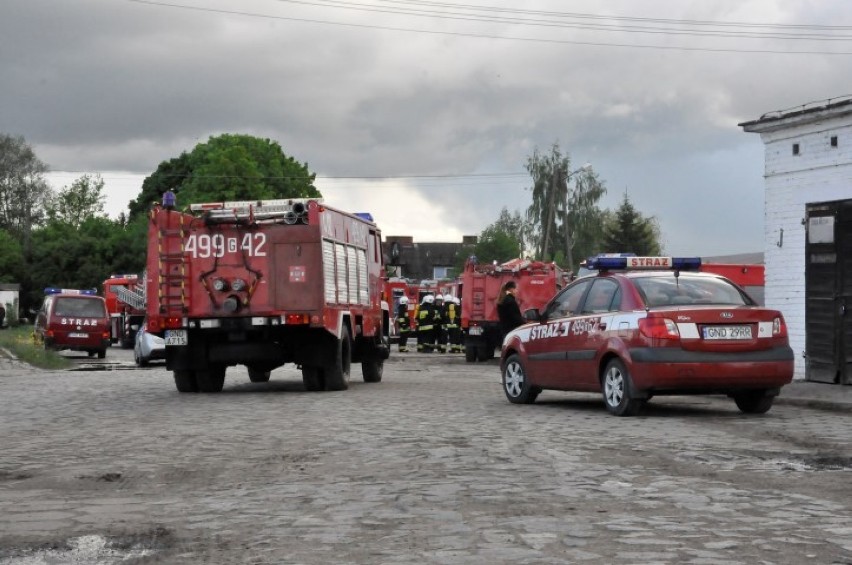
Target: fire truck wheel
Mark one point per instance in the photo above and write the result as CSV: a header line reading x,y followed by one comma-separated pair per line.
x,y
372,370
470,354
185,381
313,378
337,375
485,352
210,379
258,375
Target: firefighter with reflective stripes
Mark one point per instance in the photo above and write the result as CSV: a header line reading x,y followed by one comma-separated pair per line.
x,y
439,333
403,323
426,325
453,324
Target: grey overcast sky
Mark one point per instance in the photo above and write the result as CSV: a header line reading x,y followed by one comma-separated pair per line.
x,y
425,112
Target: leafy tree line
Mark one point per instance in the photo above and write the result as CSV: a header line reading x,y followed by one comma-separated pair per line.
x,y
564,222
63,238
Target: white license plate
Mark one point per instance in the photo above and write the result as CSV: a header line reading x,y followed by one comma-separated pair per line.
x,y
78,335
176,337
726,332
475,330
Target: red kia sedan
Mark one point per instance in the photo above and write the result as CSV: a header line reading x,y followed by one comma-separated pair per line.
x,y
648,326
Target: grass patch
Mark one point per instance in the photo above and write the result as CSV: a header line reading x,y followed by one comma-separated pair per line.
x,y
20,343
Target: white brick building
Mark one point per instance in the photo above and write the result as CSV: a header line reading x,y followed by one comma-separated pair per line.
x,y
808,231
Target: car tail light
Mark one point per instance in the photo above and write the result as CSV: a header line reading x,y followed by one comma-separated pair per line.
x,y
658,328
48,333
779,328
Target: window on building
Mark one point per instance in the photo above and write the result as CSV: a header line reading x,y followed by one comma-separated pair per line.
x,y
834,141
441,272
795,149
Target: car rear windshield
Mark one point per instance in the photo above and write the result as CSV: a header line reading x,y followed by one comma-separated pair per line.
x,y
79,307
689,290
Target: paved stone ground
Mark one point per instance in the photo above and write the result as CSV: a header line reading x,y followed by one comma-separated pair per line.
x,y
432,465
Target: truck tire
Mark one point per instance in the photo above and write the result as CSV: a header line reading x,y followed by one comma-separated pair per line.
x,y
485,352
470,353
337,374
258,375
313,378
185,381
210,379
372,370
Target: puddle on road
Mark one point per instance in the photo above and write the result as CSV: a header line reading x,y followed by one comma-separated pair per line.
x,y
89,550
769,461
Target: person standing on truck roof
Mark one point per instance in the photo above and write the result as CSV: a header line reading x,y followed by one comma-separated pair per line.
x,y
425,324
507,307
403,322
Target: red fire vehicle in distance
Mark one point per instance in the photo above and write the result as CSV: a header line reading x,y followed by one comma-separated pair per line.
x,y
480,285
749,276
125,301
264,283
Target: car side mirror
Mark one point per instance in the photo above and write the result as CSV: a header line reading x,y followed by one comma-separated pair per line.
x,y
532,315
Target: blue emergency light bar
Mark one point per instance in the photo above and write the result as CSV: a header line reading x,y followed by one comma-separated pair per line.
x,y
56,290
603,263
365,216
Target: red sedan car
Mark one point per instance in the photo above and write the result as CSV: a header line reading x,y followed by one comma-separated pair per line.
x,y
646,326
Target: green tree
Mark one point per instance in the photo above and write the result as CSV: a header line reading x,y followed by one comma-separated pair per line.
x,y
228,167
12,268
559,208
24,193
628,231
82,200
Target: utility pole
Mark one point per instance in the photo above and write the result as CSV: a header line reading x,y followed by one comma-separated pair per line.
x,y
551,208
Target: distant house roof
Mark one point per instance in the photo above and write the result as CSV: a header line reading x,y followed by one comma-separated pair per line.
x,y
417,260
10,286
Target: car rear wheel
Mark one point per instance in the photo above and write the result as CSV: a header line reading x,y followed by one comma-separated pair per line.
x,y
516,385
101,353
754,401
617,390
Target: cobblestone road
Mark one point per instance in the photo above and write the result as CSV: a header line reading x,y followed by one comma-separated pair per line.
x,y
430,466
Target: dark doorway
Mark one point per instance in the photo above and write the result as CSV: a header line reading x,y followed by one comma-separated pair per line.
x,y
828,292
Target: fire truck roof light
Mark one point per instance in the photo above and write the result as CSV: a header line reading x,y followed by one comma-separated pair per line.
x,y
365,216
604,263
56,290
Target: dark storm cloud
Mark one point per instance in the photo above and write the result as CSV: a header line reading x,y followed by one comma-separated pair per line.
x,y
101,85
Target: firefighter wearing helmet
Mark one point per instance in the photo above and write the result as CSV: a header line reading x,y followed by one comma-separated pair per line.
x,y
403,323
439,334
425,324
453,324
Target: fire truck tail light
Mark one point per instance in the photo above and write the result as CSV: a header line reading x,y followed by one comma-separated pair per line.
x,y
296,319
48,333
658,328
170,322
779,328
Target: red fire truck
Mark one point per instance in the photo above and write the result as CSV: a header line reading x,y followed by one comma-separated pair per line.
x,y
266,283
747,275
480,285
125,301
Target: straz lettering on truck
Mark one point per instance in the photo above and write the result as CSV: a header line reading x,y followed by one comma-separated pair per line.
x,y
203,245
77,322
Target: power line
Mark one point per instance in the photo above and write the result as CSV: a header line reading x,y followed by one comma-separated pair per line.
x,y
486,36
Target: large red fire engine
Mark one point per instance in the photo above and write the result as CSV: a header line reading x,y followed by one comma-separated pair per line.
x,y
125,301
537,283
265,283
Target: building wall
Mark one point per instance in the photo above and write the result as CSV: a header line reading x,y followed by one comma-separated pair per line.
x,y
819,173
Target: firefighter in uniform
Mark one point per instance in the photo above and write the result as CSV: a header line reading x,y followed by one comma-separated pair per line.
x,y
403,323
439,334
454,333
425,324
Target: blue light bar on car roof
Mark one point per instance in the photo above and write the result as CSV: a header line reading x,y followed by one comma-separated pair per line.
x,y
603,263
56,290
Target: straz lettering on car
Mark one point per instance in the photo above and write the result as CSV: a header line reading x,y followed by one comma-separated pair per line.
x,y
552,329
77,322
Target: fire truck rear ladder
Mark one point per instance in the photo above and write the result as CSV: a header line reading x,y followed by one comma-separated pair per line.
x,y
173,273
